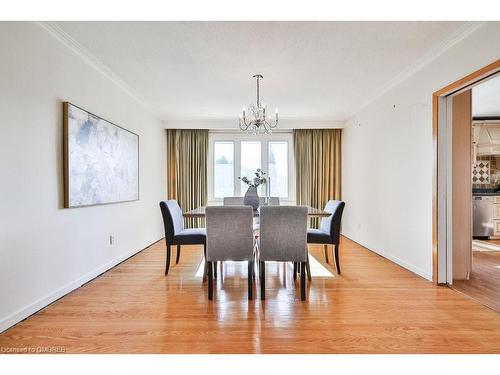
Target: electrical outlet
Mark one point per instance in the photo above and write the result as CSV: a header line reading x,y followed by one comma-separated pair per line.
x,y
111,240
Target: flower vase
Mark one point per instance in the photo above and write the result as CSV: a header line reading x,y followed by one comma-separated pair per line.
x,y
252,198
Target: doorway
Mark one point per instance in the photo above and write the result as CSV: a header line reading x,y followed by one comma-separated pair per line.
x,y
465,247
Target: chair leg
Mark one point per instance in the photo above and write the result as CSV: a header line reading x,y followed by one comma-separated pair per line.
x,y
325,249
250,280
302,281
178,254
257,262
167,264
337,261
295,270
262,280
215,270
308,267
205,269
210,282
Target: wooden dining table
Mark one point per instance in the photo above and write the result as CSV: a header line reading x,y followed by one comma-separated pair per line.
x,y
200,212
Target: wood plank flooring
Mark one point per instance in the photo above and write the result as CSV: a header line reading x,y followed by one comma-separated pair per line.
x,y
484,283
375,306
494,242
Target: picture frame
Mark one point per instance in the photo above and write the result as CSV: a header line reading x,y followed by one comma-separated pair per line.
x,y
101,160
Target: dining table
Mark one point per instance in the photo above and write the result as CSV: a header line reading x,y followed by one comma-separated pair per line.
x,y
200,212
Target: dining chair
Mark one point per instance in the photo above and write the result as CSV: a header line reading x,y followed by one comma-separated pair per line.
x,y
239,201
283,238
273,201
329,230
229,238
233,201
176,234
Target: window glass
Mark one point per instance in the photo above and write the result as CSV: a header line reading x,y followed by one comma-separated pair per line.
x,y
278,168
223,169
250,162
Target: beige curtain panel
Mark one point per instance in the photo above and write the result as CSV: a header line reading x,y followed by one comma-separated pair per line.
x,y
317,166
187,151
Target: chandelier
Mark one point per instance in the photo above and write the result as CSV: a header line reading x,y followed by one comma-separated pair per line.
x,y
256,120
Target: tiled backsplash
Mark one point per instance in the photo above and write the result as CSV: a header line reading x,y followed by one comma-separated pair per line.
x,y
481,172
485,172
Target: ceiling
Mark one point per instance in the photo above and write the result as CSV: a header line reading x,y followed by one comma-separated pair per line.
x,y
312,70
486,98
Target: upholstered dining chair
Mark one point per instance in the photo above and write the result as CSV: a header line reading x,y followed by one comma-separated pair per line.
x,y
233,201
239,201
229,238
283,238
176,234
329,230
273,201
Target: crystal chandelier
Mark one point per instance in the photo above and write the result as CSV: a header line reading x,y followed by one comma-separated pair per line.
x,y
256,120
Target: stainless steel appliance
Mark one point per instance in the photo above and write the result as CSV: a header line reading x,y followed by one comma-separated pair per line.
x,y
482,206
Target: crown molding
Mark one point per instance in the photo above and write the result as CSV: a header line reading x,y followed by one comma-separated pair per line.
x,y
63,37
58,33
432,54
232,123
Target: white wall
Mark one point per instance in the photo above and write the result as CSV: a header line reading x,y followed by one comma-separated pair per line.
x,y
388,157
45,250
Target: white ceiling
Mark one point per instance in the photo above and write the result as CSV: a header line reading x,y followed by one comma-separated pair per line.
x,y
313,70
486,98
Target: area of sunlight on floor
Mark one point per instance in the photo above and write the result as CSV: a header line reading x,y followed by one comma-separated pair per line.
x,y
317,269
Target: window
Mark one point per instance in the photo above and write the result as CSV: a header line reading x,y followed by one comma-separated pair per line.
x,y
238,155
278,168
250,162
223,169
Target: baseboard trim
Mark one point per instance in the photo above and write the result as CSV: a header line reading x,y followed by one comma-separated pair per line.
x,y
416,270
25,312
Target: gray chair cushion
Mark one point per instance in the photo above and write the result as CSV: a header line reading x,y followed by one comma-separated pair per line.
x,y
283,233
192,236
318,236
229,233
173,220
331,224
176,213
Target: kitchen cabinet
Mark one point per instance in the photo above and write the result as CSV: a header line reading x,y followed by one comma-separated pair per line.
x,y
496,211
496,217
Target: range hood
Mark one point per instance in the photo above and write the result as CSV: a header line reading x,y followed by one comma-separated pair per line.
x,y
485,138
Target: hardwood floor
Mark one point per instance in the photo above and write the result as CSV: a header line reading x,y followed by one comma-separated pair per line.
x,y
374,307
494,242
484,283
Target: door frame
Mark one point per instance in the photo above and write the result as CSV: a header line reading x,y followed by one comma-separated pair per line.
x,y
440,120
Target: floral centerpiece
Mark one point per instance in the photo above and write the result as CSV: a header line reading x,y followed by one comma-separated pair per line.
x,y
259,179
251,196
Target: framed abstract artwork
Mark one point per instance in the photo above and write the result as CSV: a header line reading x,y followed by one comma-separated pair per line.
x,y
101,160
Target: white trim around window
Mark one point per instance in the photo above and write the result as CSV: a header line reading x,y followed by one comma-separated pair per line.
x,y
236,139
